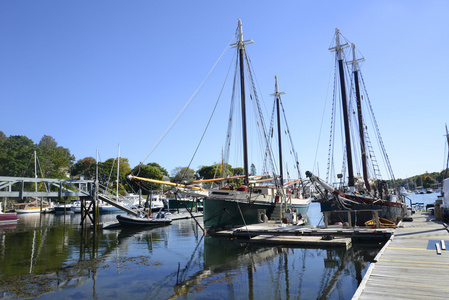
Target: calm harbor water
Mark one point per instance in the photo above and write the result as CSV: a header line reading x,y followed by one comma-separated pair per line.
x,y
50,257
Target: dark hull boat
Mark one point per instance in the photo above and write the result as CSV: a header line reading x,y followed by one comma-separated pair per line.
x,y
224,213
183,204
362,212
365,197
131,221
356,209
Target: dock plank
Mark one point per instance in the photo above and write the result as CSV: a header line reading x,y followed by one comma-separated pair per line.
x,y
409,266
301,241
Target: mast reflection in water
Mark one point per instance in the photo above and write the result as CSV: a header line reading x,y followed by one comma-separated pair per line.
x,y
50,257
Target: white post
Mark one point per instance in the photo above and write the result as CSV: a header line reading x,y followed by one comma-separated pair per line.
x,y
35,171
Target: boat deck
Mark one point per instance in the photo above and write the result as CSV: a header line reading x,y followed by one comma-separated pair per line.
x,y
410,266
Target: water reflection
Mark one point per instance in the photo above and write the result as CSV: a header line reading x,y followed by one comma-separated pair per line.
x,y
237,269
52,257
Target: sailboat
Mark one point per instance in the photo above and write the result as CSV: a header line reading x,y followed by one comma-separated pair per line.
x,y
255,201
106,208
363,196
252,202
31,207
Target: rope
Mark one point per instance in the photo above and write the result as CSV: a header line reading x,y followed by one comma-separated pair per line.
x,y
243,218
261,119
208,123
379,138
164,134
332,129
176,196
231,116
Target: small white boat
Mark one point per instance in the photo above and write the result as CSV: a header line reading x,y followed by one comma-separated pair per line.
x,y
105,208
404,191
76,205
156,202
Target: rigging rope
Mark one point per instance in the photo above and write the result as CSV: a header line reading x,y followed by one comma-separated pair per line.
x,y
330,154
231,116
261,119
379,137
164,134
208,123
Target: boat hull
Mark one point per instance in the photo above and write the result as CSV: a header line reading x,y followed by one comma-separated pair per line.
x,y
34,210
222,214
361,213
108,209
8,217
184,205
129,221
59,210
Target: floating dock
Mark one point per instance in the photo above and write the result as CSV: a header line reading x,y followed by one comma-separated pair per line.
x,y
284,234
413,264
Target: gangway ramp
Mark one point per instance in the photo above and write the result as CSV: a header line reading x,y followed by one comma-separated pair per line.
x,y
104,198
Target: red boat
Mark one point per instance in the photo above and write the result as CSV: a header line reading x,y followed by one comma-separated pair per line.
x,y
7,217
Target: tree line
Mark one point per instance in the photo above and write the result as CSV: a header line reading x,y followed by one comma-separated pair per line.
x,y
17,159
423,181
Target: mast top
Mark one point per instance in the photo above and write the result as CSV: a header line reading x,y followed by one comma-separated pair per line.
x,y
338,47
355,62
240,42
277,94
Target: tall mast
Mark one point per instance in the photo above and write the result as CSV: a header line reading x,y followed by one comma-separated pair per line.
x,y
278,99
339,49
355,69
241,45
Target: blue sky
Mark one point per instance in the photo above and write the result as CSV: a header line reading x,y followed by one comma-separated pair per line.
x,y
95,74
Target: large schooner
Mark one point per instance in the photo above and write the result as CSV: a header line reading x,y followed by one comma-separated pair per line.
x,y
362,197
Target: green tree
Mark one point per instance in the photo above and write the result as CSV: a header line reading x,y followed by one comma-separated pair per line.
x,y
156,165
55,161
17,156
151,172
252,171
181,174
237,171
3,138
108,173
86,167
209,172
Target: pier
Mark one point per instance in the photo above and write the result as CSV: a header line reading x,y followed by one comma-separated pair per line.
x,y
413,264
16,187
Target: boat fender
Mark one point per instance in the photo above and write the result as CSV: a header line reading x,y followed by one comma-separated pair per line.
x,y
263,218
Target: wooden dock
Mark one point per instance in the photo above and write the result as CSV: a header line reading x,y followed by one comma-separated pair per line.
x,y
283,234
412,264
